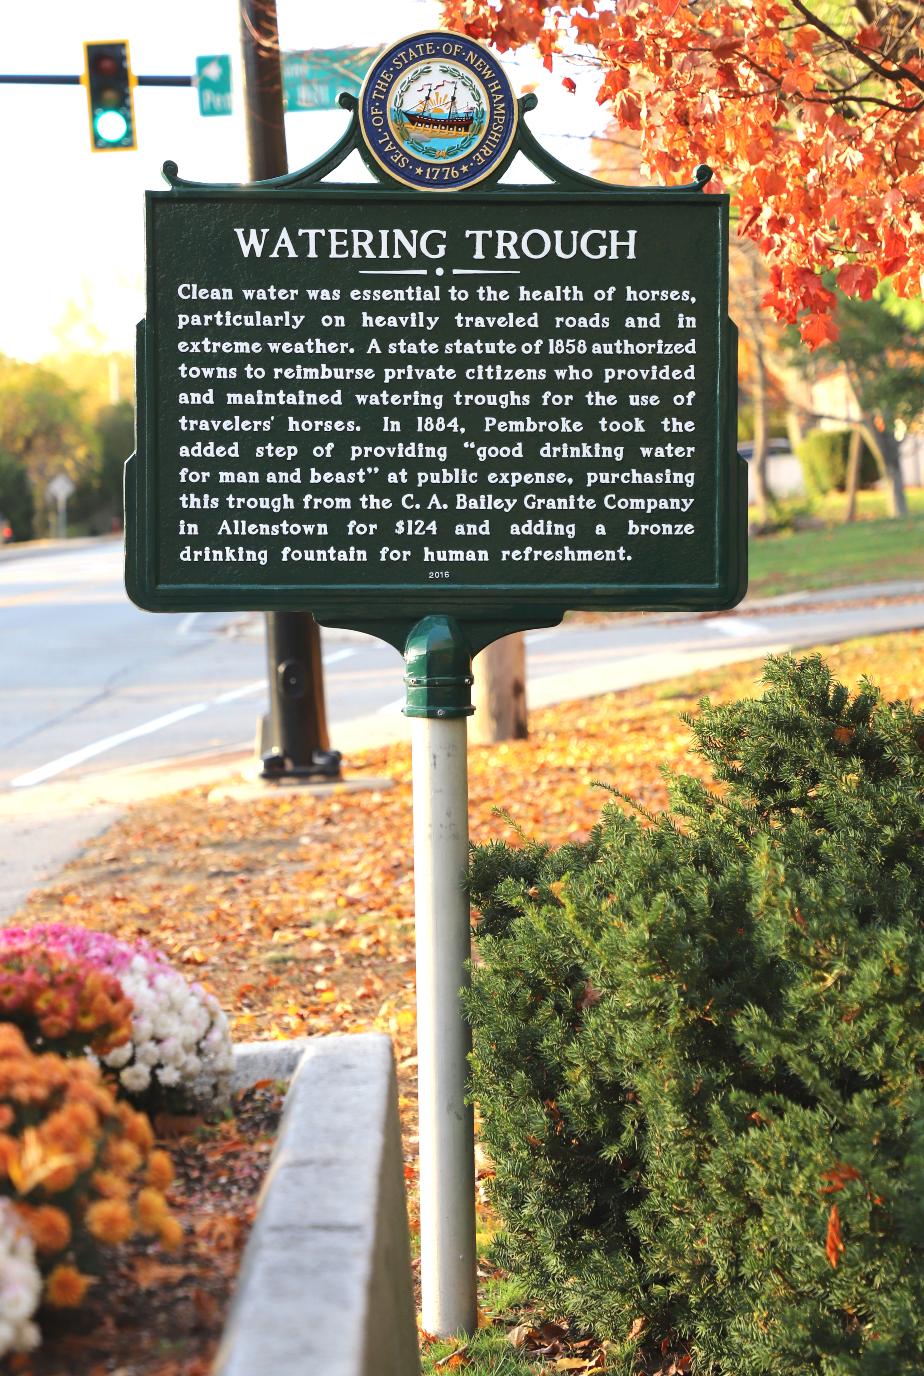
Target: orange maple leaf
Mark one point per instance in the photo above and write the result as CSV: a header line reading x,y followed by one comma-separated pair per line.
x,y
817,329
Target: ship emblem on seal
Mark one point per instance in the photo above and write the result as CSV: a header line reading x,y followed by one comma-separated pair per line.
x,y
437,111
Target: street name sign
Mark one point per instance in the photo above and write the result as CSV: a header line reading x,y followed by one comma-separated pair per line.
x,y
213,84
314,80
442,392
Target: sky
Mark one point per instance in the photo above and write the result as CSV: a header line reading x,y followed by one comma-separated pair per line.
x,y
72,231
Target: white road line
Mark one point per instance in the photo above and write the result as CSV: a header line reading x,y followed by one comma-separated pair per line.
x,y
738,627
336,656
244,692
186,625
88,752
390,708
58,766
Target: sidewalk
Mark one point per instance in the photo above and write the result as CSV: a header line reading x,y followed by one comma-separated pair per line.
x,y
31,549
44,827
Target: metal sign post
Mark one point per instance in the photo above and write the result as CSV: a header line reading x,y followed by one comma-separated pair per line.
x,y
439,687
59,490
438,409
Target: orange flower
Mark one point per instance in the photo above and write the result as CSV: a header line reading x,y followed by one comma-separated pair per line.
x,y
122,1156
66,1287
39,1163
151,1208
110,1221
110,1185
60,1179
171,1233
49,1228
12,1042
138,1129
160,1170
9,1151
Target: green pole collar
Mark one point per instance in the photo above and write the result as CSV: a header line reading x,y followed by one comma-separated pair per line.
x,y
438,664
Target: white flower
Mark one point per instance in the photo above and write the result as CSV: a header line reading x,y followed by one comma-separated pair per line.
x,y
147,1054
20,1285
136,1078
120,1056
180,1036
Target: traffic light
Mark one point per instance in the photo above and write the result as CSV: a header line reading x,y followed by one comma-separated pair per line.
x,y
108,79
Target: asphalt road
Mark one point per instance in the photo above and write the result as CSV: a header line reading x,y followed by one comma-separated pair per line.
x,y
89,683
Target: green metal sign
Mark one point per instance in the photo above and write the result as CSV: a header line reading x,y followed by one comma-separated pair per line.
x,y
314,80
213,83
375,403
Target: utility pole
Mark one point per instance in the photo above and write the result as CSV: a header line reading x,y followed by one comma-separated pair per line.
x,y
294,739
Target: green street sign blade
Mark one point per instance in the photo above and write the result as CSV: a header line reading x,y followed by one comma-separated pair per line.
x,y
313,80
213,83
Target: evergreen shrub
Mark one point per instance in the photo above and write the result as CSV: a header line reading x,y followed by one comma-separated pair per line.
x,y
823,456
699,1046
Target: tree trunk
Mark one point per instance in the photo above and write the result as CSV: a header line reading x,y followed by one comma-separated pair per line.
x,y
885,446
795,430
895,484
853,473
762,493
500,693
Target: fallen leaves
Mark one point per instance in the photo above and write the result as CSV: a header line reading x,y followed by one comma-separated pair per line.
x,y
551,1341
302,909
148,1272
453,1361
834,1242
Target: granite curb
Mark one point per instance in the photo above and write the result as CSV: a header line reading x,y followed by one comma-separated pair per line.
x,y
325,1282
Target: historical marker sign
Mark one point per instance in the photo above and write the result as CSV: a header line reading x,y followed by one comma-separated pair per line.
x,y
498,403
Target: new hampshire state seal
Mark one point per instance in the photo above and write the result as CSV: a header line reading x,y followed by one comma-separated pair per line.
x,y
437,111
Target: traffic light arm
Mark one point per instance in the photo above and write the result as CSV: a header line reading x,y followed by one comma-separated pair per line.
x,y
56,79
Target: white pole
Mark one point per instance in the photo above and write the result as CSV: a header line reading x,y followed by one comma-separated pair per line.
x,y
447,1162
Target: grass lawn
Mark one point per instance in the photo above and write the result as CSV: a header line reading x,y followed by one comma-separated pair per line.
x,y
873,549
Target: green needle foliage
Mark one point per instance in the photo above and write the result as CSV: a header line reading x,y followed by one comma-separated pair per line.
x,y
699,1046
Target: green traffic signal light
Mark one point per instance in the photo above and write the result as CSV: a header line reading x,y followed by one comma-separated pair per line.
x,y
109,83
111,126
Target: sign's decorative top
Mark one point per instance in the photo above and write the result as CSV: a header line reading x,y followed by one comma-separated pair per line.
x,y
437,112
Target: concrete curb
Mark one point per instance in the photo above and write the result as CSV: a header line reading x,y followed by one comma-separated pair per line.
x,y
255,1061
32,549
325,1283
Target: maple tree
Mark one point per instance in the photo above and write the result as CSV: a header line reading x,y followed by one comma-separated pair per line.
x,y
813,118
